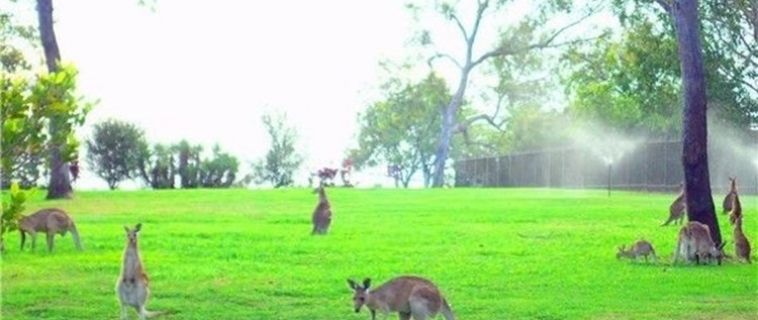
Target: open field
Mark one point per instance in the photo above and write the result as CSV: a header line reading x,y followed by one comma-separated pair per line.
x,y
495,253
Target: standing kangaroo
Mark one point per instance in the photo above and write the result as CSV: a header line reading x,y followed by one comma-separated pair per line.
x,y
132,287
741,244
728,200
736,212
409,296
50,221
640,248
677,209
695,244
322,215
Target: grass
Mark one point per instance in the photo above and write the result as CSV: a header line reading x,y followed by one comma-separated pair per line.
x,y
495,253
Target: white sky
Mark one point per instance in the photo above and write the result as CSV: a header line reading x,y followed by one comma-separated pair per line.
x,y
205,71
220,64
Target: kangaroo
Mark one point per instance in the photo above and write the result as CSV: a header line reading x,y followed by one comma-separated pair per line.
x,y
409,296
677,209
132,287
695,244
741,244
736,212
728,200
640,248
50,221
322,215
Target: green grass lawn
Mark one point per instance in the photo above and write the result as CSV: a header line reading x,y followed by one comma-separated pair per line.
x,y
495,254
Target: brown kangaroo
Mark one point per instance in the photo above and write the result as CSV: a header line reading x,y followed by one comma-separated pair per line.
x,y
736,212
322,215
641,248
132,287
741,244
409,296
728,200
677,209
50,221
695,244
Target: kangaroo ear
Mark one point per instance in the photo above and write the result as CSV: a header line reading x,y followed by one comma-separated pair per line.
x,y
721,246
353,285
366,283
138,227
126,229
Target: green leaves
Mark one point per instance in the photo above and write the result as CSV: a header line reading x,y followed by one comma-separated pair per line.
x,y
12,208
403,129
29,109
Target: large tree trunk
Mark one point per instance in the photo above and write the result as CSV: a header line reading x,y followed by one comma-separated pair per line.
x,y
449,121
695,132
60,181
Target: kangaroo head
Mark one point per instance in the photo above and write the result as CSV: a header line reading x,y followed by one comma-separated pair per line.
x,y
718,252
360,293
131,234
622,252
732,184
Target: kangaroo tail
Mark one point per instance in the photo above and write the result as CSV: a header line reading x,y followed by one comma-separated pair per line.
x,y
447,312
75,235
152,314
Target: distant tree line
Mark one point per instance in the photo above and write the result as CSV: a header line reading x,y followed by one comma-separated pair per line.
x,y
118,151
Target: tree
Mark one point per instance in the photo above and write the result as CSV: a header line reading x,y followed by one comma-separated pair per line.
x,y
521,39
282,159
402,130
60,181
114,151
697,181
157,167
189,164
220,171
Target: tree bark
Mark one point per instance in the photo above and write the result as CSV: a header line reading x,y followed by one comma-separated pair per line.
x,y
695,131
60,182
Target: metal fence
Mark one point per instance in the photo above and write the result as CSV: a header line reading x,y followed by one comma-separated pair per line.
x,y
652,166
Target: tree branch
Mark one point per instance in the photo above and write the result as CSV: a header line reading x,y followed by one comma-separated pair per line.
x,y
443,55
463,126
665,5
547,43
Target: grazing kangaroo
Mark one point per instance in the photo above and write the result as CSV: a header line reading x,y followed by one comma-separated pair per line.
x,y
50,221
741,244
409,296
677,209
640,248
695,244
736,212
728,200
322,215
132,287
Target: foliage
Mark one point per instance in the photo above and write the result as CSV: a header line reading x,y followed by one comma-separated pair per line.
x,y
188,166
160,167
28,107
12,208
157,168
516,40
282,159
632,82
114,149
219,171
403,130
494,255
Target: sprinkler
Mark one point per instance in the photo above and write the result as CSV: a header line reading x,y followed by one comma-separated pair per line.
x,y
610,167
